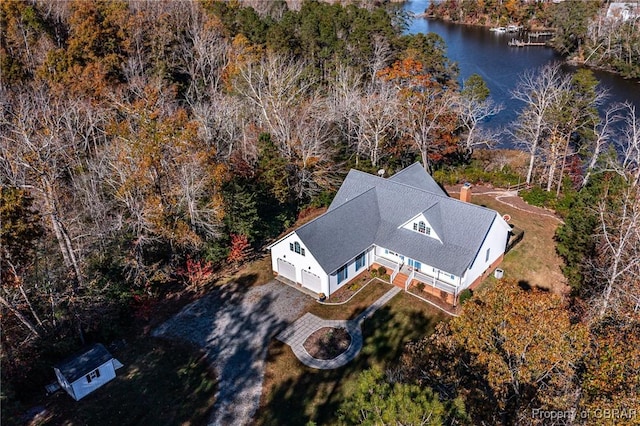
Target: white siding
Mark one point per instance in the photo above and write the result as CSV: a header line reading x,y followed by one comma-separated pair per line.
x,y
82,387
444,276
64,383
351,272
281,250
418,218
382,252
495,242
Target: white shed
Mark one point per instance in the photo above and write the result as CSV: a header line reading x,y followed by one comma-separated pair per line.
x,y
86,371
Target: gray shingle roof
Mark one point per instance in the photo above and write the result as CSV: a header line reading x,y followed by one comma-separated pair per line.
x,y
369,210
347,231
415,176
83,363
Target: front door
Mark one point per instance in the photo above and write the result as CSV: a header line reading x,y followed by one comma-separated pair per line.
x,y
415,264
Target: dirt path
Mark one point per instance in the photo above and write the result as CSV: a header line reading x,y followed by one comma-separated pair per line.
x,y
234,325
534,260
509,198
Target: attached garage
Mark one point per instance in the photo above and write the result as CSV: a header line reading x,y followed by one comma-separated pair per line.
x,y
287,270
311,281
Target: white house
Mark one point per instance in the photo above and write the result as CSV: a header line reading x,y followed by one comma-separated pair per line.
x,y
405,223
623,11
86,371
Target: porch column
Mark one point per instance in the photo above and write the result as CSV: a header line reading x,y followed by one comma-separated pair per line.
x,y
455,296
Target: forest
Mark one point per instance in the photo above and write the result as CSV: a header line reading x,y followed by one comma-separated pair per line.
x,y
146,145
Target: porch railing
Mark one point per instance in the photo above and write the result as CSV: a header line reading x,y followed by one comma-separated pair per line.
x,y
409,279
395,273
434,282
385,262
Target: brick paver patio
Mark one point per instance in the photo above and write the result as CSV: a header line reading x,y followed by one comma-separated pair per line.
x,y
297,333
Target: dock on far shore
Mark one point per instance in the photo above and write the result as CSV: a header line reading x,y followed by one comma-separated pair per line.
x,y
522,43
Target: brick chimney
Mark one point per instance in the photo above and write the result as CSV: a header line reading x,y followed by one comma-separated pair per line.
x,y
465,193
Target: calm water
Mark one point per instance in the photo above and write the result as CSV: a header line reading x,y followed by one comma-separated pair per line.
x,y
479,51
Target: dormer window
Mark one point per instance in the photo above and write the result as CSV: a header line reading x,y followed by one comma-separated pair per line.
x,y
421,227
296,248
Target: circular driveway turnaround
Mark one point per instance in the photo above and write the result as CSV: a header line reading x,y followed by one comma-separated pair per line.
x,y
233,325
297,333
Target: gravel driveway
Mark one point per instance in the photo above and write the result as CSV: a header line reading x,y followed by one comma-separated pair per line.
x,y
234,326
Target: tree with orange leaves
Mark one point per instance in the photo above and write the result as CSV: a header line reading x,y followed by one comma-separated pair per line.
x,y
428,116
509,351
240,248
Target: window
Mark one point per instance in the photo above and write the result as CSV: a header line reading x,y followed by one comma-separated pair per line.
x,y
453,277
296,247
360,262
415,264
93,375
422,228
486,257
342,274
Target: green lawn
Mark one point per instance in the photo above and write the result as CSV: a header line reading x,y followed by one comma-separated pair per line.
x,y
161,383
361,301
296,394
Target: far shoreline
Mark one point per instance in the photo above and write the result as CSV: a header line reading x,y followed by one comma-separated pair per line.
x,y
573,61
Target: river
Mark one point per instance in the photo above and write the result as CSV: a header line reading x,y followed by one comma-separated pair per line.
x,y
477,50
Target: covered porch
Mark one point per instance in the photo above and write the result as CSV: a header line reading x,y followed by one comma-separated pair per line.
x,y
408,278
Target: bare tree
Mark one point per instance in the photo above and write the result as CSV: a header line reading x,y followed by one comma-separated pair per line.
x,y
603,133
573,115
313,149
629,144
472,113
345,95
38,152
376,121
222,119
618,263
380,57
275,86
204,54
539,90
425,116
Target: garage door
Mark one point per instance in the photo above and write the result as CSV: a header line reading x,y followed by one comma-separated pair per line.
x,y
311,281
287,270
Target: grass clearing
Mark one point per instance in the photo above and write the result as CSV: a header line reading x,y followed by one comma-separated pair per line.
x,y
533,261
296,394
258,272
162,382
361,301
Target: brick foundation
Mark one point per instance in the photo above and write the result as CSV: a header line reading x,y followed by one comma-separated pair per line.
x,y
441,295
486,273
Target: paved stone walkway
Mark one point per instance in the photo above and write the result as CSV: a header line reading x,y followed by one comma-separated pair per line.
x,y
297,333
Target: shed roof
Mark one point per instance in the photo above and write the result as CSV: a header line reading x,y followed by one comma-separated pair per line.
x,y
371,210
83,362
